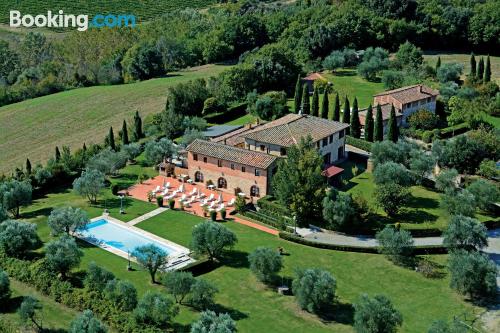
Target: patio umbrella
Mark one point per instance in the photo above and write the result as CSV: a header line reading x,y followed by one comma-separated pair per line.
x,y
164,182
181,188
220,197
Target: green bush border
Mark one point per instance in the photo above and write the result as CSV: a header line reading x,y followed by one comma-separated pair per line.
x,y
358,143
232,113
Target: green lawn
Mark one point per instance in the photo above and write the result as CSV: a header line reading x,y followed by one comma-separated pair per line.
x,y
347,82
32,128
493,120
263,310
423,210
463,58
56,317
246,119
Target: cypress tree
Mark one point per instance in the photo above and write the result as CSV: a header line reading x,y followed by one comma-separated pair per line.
x,y
438,63
111,139
58,154
306,107
125,134
355,125
28,167
324,105
369,124
472,74
84,147
315,103
487,71
137,134
480,70
392,131
346,114
378,131
336,109
298,95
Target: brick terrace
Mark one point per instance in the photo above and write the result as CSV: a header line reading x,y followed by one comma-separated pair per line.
x,y
140,192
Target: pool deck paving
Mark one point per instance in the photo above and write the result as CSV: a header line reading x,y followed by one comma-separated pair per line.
x,y
146,216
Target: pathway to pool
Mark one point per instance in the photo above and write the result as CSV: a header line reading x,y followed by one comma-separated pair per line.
x,y
146,216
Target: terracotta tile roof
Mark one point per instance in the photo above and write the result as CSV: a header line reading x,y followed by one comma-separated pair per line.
x,y
386,113
331,171
411,93
235,137
288,130
313,77
232,154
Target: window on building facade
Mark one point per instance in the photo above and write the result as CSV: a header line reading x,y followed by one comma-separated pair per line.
x,y
257,172
283,151
341,134
254,191
219,163
222,183
195,157
331,138
204,160
243,169
262,147
325,141
317,144
232,166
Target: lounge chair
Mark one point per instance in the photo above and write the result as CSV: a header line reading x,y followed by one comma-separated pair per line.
x,y
183,197
211,197
231,202
157,189
201,195
221,207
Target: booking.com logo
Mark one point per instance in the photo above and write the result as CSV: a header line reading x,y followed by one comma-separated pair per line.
x,y
61,20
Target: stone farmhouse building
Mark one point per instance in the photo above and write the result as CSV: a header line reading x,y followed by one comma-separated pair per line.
x,y
246,159
406,101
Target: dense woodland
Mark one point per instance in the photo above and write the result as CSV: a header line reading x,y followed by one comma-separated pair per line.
x,y
273,41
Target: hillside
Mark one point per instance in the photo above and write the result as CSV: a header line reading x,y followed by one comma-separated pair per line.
x,y
31,129
144,10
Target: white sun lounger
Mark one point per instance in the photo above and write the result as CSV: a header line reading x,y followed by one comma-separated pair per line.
x,y
231,202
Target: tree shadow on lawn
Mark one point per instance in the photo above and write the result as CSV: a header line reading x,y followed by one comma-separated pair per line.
x,y
12,304
415,216
235,259
181,328
429,269
235,314
420,202
42,212
342,73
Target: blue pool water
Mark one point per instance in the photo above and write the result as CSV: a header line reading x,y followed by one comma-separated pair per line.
x,y
119,237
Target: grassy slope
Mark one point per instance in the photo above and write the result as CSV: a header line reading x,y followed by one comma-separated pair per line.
x,y
143,10
423,210
463,58
55,316
32,128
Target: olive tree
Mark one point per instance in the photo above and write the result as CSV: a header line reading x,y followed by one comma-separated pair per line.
x,y
4,287
14,194
202,294
392,173
392,197
97,277
211,322
178,284
484,192
87,323
29,311
155,309
62,255
17,238
376,315
314,289
156,152
211,239
441,326
398,245
151,257
473,274
265,263
459,203
339,209
89,185
465,233
122,294
67,220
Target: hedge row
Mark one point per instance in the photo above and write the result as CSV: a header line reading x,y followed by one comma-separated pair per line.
x,y
359,143
36,274
448,132
276,223
431,249
274,208
232,113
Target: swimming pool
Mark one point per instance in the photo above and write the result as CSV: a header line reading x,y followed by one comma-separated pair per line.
x,y
122,238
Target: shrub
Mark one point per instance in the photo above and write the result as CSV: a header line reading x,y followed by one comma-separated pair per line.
x,y
376,315
171,203
202,294
122,294
359,143
223,214
4,287
213,215
159,201
87,323
97,277
114,189
427,136
446,180
265,263
314,289
423,119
